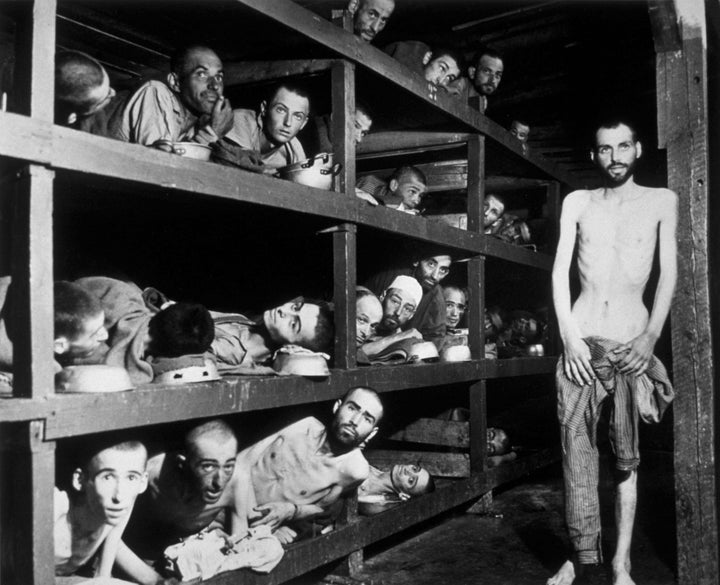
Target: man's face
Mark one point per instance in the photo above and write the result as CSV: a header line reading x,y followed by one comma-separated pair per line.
x,y
113,480
524,328
430,271
493,208
369,313
498,442
371,17
520,131
442,70
363,123
488,74
616,153
410,189
455,303
201,83
398,308
211,462
410,479
93,334
292,323
356,418
285,115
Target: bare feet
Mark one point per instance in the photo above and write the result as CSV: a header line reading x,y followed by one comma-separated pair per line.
x,y
621,576
565,576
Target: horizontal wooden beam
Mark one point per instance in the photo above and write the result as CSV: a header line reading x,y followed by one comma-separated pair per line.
x,y
239,72
383,142
76,414
434,431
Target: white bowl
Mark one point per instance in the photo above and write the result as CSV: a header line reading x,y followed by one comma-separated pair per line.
x,y
424,351
456,353
93,379
192,150
205,373
301,364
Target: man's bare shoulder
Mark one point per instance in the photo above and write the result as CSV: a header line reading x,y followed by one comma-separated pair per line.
x,y
578,200
662,196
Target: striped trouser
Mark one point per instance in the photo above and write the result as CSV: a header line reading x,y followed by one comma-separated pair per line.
x,y
579,410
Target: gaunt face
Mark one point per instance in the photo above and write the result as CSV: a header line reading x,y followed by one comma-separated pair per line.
x,y
455,304
292,323
488,74
356,418
285,115
371,17
430,271
410,479
201,82
368,314
616,153
398,308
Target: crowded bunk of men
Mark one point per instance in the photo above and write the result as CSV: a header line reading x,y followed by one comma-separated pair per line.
x,y
212,503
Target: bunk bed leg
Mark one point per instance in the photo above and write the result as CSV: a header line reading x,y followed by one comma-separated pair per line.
x,y
28,505
343,19
345,255
343,125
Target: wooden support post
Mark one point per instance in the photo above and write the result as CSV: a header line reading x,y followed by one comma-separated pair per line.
x,y
343,19
476,267
478,427
345,255
32,272
343,125
682,86
35,61
30,493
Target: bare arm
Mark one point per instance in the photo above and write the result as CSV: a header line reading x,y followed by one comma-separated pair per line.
x,y
110,548
372,348
135,567
640,349
576,353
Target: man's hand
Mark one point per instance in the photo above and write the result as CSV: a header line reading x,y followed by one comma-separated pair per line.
x,y
409,334
365,196
577,361
285,535
273,514
222,117
639,352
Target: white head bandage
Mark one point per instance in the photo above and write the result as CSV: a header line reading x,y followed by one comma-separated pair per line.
x,y
409,285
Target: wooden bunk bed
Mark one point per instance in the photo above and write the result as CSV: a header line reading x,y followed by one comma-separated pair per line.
x,y
35,418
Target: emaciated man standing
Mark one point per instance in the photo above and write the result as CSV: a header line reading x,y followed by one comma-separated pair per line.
x,y
608,338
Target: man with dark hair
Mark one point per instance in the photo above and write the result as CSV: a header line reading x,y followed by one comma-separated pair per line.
x,y
188,107
429,268
608,337
484,77
181,329
79,324
267,140
242,342
302,471
403,190
439,66
386,489
90,520
319,131
370,17
82,92
187,491
456,302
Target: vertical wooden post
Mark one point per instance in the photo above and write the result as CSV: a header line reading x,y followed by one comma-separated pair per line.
x,y
31,546
478,427
343,19
343,124
679,31
476,266
32,270
345,255
35,64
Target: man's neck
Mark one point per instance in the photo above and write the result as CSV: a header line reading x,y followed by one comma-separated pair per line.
x,y
84,523
259,345
625,191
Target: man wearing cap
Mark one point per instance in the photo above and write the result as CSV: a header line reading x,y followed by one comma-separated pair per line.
x,y
399,303
429,269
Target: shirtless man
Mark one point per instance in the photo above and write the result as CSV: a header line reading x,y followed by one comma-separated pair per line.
x,y
299,472
617,228
187,490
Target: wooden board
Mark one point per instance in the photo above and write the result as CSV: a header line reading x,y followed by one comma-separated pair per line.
x,y
433,431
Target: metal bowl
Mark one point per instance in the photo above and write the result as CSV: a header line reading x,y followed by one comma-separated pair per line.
x,y
535,350
314,172
192,150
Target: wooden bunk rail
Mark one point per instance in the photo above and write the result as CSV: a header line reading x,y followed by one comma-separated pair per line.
x,y
310,554
350,47
241,72
380,143
67,414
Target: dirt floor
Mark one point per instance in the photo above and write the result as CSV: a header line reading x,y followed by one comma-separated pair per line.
x,y
522,542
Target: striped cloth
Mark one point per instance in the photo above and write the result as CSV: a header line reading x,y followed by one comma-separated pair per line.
x,y
579,407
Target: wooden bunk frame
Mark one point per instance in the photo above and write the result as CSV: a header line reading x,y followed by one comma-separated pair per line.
x,y
35,417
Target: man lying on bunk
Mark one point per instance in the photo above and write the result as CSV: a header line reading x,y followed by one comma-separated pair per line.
x,y
301,472
84,99
79,325
429,268
368,314
266,140
439,66
188,107
386,489
483,78
243,343
319,132
399,303
187,491
89,520
403,191
370,17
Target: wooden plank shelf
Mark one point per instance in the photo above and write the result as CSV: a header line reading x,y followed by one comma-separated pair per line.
x,y
308,555
67,414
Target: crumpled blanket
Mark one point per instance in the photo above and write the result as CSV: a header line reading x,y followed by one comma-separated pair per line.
x,y
211,552
126,319
394,354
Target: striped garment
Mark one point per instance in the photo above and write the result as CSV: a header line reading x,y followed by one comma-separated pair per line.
x,y
579,408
